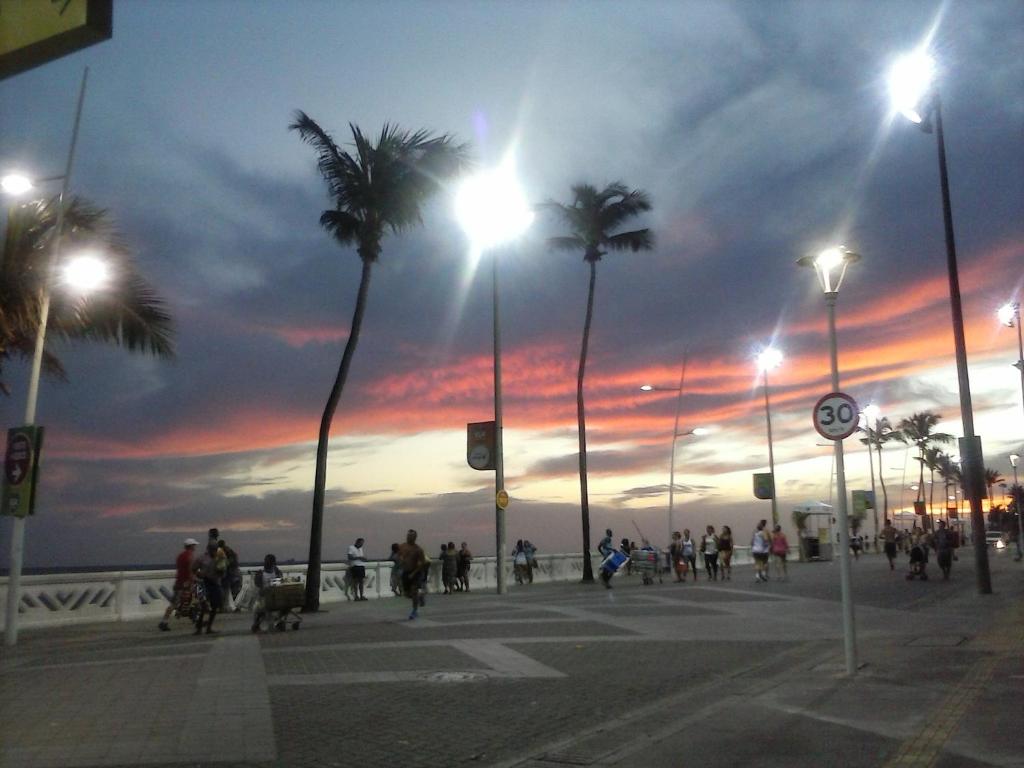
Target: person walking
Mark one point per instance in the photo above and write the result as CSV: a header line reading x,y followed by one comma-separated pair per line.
x,y
519,562
396,570
465,560
760,546
413,562
205,568
689,549
780,550
182,581
675,552
231,581
725,552
944,542
709,548
449,567
531,559
263,579
357,569
889,542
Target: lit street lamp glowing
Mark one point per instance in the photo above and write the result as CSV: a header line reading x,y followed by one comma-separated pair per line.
x,y
699,431
1007,313
491,207
647,388
910,82
769,359
86,274
15,184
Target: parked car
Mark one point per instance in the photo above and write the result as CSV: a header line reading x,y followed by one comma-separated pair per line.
x,y
995,539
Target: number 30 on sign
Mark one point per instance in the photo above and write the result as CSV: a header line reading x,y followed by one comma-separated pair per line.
x,y
836,416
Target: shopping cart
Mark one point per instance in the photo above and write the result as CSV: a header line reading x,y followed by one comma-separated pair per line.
x,y
285,598
645,562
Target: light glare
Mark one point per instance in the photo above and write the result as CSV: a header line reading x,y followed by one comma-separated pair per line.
x,y
15,184
491,207
698,431
909,82
769,359
85,274
1007,313
646,388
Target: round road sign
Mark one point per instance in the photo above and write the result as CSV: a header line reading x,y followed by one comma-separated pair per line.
x,y
836,416
502,498
19,459
479,456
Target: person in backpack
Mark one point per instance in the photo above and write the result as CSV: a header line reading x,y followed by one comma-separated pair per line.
x,y
709,548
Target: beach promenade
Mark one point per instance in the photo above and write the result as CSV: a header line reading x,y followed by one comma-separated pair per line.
x,y
552,675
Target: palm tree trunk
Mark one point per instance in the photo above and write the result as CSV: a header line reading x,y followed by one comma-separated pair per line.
x,y
588,571
881,480
931,498
320,481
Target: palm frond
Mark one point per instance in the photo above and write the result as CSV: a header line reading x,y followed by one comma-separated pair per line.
x,y
567,243
638,240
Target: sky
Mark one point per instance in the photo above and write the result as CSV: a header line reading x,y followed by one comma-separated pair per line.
x,y
762,132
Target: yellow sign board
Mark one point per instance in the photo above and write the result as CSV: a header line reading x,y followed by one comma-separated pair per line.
x,y
502,499
33,32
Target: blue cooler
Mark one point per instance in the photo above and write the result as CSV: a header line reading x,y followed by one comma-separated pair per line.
x,y
614,561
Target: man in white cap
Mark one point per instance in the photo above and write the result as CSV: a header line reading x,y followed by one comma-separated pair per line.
x,y
182,579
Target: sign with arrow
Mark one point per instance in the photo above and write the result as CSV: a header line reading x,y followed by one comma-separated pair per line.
x,y
21,470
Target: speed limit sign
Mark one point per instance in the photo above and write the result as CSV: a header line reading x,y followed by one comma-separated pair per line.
x,y
836,416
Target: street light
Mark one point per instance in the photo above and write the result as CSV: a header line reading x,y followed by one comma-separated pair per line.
x,y
1014,461
768,360
52,256
915,94
675,433
1009,315
492,210
830,266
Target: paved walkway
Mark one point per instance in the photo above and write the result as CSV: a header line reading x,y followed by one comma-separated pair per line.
x,y
707,674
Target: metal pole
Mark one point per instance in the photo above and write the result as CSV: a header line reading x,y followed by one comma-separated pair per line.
x,y
849,627
970,445
49,259
672,459
771,454
499,459
1020,513
1019,365
874,501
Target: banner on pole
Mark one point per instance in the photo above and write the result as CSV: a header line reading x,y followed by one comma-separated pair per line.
x,y
21,471
764,487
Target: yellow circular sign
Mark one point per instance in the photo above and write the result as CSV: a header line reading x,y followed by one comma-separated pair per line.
x,y
502,499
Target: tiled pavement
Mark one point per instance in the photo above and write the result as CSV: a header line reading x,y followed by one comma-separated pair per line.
x,y
548,676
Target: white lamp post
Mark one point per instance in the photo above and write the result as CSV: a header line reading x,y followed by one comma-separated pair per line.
x,y
915,95
768,360
1014,461
492,210
18,184
830,266
1009,315
676,434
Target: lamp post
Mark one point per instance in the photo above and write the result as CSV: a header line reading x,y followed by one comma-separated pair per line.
x,y
769,359
830,266
493,211
1014,461
18,185
1009,315
871,413
915,95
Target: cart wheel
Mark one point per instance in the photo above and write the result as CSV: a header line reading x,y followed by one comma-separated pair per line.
x,y
295,625
279,626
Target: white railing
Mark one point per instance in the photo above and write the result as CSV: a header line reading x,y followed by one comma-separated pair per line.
x,y
124,595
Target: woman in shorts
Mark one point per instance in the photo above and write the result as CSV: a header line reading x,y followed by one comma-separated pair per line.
x,y
725,552
780,548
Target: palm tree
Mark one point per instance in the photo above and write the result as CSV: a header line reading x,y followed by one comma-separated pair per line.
x,y
949,473
378,188
591,217
881,434
128,312
931,459
917,429
992,477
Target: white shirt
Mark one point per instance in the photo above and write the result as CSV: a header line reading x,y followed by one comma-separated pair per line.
x,y
355,556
